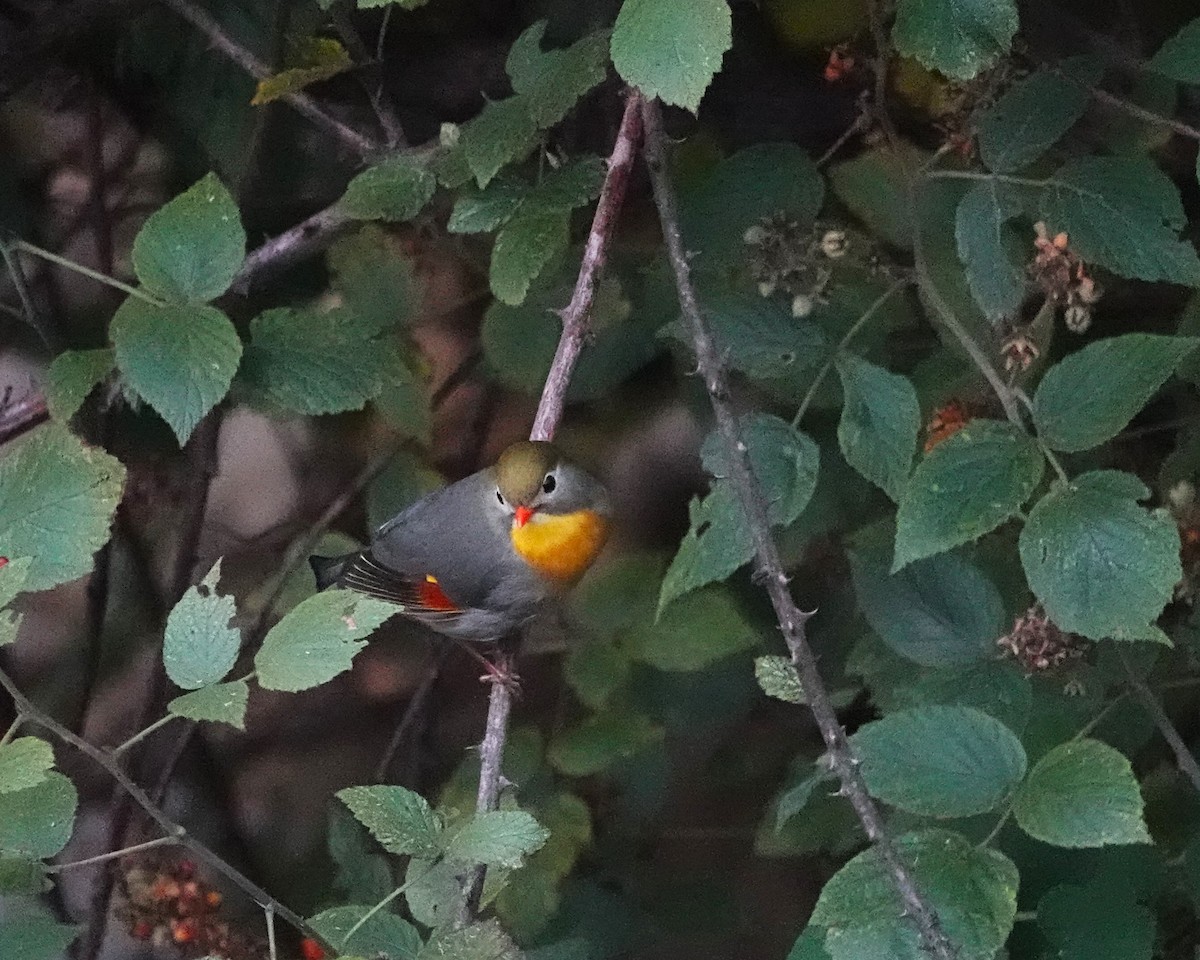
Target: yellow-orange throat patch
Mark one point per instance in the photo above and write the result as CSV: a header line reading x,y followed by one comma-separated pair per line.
x,y
561,546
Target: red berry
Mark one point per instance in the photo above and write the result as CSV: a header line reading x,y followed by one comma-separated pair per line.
x,y
311,950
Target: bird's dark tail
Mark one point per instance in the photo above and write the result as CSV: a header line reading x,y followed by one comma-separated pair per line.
x,y
329,570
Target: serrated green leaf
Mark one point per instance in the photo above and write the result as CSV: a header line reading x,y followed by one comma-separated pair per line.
x,y
478,941
777,677
13,576
21,877
35,937
404,402
551,81
309,60
1100,564
936,612
965,487
363,874
383,935
57,499
433,890
500,838
24,763
72,376
880,420
315,363
1091,395
1179,57
996,282
199,646
36,823
959,38
693,632
179,359
375,280
1082,794
595,671
671,49
189,251
940,761
401,820
760,338
1000,690
318,639
795,797
1096,923
503,132
219,703
1029,119
600,741
1122,213
395,189
481,211
531,240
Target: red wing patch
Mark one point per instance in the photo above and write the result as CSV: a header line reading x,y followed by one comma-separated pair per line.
x,y
424,596
431,595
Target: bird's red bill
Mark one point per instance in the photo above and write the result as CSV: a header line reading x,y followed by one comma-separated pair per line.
x,y
522,515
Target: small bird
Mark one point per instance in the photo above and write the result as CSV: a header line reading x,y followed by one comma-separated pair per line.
x,y
475,560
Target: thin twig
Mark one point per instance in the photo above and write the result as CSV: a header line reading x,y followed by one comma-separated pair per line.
x,y
880,67
26,247
113,854
381,103
169,827
20,416
300,101
29,311
1185,757
305,239
791,619
412,712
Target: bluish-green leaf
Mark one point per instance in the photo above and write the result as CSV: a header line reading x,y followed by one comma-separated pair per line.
x,y
956,37
34,937
189,251
1029,119
374,279
396,189
13,576
401,820
72,376
530,241
499,838
1100,564
219,703
1096,922
693,632
179,359
1082,794
671,49
36,823
940,761
996,282
1091,395
199,646
761,338
383,935
965,487
1179,57
503,132
551,81
483,210
476,941
600,741
24,763
880,420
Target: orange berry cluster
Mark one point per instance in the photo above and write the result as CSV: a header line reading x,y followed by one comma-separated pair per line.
x,y
948,419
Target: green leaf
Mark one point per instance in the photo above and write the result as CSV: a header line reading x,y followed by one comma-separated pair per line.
x,y
363,873
374,278
1091,395
57,499
199,646
785,463
600,741
1029,119
189,251
671,49
179,359
1096,923
1100,564
401,820
595,671
478,941
874,186
309,60
481,211
998,689
36,823
956,37
551,81
693,632
973,891
404,402
384,935
936,612
810,945
1124,214
965,487
996,282
402,483
315,362
1082,794
433,890
72,376
532,239
318,639
778,679
34,937
24,763
10,623
395,189
19,876
499,838
795,797
219,703
940,761
504,131
13,576
1179,57
881,418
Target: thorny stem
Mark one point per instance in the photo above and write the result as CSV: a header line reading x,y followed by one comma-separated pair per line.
x,y
1184,756
791,619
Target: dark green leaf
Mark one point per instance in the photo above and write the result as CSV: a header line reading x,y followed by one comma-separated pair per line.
x,y
1090,396
600,741
374,279
1102,565
363,874
956,37
179,359
1179,57
404,401
20,876
693,632
24,763
1082,794
34,937
965,487
189,251
72,376
36,823
401,820
481,211
940,761
433,890
996,282
1096,923
880,421
795,797
551,81
810,945
219,703
671,49
778,679
57,499
1029,119
384,935
478,941
594,671
499,838
998,689
530,241
396,189
199,646
503,132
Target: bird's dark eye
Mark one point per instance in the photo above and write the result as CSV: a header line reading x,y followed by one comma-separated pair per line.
x,y
499,495
549,483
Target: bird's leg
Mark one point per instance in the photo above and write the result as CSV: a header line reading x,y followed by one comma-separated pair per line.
x,y
499,669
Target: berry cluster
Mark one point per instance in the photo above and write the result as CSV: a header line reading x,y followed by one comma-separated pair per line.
x,y
1063,278
1037,644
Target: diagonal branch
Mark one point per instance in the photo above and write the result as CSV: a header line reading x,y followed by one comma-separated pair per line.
x,y
1183,755
791,619
575,331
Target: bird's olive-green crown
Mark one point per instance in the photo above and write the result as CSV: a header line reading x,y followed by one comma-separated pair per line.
x,y
522,468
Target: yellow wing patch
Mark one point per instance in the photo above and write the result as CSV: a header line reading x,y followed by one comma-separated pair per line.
x,y
561,546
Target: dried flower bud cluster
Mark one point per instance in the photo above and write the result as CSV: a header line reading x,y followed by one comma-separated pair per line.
x,y
783,257
1063,278
1039,645
1019,352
